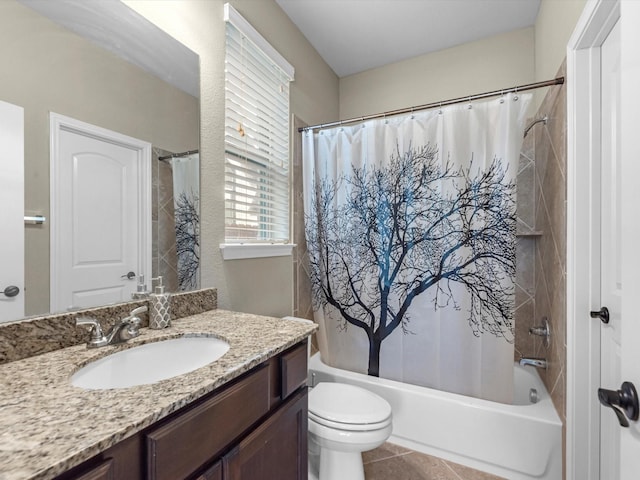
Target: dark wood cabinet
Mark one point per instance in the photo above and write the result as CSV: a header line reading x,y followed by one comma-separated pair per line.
x,y
104,471
277,449
212,473
120,462
182,444
254,428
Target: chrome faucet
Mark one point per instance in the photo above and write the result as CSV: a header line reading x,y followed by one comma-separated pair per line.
x,y
126,329
534,362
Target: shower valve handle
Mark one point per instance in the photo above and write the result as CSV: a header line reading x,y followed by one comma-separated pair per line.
x,y
623,402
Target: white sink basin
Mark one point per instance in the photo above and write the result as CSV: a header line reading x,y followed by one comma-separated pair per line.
x,y
150,363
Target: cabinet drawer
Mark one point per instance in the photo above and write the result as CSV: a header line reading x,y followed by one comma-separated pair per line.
x,y
104,471
293,369
184,444
123,461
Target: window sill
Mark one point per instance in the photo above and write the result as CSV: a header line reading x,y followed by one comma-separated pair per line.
x,y
238,251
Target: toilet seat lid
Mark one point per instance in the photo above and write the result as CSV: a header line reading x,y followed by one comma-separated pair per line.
x,y
349,427
347,404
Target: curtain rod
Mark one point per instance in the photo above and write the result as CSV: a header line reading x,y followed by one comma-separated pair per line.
x,y
468,98
176,155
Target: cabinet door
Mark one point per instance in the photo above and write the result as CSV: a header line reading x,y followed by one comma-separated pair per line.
x,y
211,473
277,449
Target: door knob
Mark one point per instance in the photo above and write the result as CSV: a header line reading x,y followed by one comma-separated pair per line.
x,y
602,314
11,291
129,275
623,402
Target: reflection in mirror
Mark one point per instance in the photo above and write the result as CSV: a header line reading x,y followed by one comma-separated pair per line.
x,y
129,77
176,208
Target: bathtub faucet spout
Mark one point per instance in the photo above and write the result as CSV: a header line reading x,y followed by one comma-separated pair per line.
x,y
534,362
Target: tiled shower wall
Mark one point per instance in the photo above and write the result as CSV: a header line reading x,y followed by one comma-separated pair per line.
x,y
164,257
541,256
550,255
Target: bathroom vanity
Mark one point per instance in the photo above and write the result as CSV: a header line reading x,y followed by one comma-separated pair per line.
x,y
254,428
243,416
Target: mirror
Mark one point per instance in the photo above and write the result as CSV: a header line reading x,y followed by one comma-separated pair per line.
x,y
100,62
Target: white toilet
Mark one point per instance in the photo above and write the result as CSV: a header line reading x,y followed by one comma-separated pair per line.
x,y
344,421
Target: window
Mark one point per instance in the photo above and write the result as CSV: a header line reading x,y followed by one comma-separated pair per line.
x,y
256,136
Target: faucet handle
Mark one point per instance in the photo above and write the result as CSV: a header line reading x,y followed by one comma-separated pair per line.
x,y
133,322
138,310
96,329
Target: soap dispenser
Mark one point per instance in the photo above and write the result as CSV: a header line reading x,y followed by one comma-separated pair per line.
x,y
141,289
160,315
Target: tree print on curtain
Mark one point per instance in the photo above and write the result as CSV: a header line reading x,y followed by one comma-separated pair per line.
x,y
186,195
187,218
414,225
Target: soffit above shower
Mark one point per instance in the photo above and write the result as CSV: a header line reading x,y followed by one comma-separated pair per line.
x,y
356,35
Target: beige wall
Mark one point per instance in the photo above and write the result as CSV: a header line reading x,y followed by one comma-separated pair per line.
x,y
49,69
514,58
490,64
260,286
554,26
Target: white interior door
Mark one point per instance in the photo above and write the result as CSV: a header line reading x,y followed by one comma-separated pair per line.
x,y
12,212
610,241
603,240
101,215
630,228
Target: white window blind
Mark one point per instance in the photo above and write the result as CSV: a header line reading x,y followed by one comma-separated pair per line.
x,y
256,136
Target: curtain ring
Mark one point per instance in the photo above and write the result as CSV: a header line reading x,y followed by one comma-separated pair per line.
x,y
501,96
515,97
440,110
469,106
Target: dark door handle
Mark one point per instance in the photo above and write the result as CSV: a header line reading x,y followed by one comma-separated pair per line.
x,y
602,314
129,275
11,291
623,402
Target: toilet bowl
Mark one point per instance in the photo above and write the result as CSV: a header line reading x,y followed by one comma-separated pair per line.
x,y
344,421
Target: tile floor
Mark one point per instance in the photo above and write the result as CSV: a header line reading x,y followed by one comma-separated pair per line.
x,y
391,462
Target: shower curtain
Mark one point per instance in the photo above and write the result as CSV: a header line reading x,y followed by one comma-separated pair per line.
x,y
410,227
186,199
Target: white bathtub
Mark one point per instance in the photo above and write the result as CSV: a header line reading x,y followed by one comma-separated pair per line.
x,y
518,442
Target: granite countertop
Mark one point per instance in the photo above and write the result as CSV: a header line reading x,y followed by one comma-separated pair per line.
x,y
48,426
